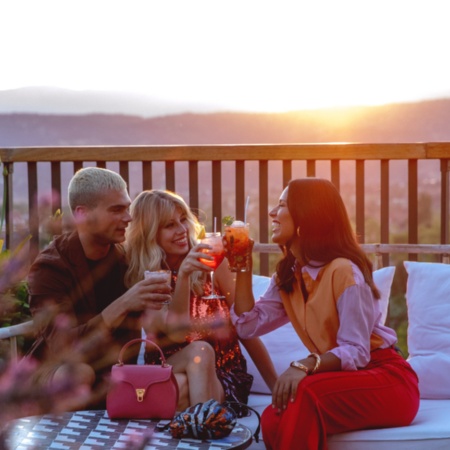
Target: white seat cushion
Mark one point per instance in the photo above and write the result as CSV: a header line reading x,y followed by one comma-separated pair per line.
x,y
427,296
430,429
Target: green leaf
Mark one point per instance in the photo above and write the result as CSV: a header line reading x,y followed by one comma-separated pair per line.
x,y
228,220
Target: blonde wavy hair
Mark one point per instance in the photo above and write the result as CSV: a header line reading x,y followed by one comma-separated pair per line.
x,y
150,211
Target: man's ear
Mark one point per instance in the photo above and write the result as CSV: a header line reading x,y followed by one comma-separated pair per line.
x,y
80,214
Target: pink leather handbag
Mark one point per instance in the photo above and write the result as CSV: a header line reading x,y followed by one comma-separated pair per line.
x,y
142,391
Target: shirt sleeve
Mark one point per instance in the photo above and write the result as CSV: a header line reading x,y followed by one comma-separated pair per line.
x,y
358,317
267,314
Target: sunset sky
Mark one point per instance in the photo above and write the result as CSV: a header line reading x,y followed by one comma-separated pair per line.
x,y
242,55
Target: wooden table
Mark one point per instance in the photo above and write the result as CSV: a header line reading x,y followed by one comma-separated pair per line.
x,y
94,430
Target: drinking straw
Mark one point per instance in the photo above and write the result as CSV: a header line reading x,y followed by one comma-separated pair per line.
x,y
215,224
246,208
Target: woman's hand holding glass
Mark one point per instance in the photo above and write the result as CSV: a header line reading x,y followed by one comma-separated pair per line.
x,y
191,262
238,247
217,252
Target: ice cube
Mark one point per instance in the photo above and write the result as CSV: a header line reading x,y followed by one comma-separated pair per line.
x,y
238,224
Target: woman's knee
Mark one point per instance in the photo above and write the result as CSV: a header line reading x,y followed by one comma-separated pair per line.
x,y
80,373
201,354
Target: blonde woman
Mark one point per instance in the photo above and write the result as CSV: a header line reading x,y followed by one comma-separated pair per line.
x,y
207,360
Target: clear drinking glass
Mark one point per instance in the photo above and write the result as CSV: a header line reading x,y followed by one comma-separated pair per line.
x,y
218,253
238,244
151,274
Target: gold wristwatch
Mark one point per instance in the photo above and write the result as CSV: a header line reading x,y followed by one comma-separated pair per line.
x,y
299,365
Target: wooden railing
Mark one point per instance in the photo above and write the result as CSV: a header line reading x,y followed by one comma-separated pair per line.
x,y
217,179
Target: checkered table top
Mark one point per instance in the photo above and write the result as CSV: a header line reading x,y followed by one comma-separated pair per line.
x,y
88,430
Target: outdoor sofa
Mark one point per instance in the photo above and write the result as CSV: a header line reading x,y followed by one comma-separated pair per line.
x,y
428,303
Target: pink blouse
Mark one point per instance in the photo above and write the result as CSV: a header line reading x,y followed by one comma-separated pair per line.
x,y
359,315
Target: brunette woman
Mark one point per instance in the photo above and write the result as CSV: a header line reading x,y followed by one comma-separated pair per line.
x,y
354,378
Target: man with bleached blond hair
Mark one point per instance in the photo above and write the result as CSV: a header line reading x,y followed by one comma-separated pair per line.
x,y
81,308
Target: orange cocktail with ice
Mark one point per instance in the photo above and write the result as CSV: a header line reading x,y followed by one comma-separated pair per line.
x,y
238,246
216,250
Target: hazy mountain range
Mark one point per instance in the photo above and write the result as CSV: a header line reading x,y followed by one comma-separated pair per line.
x,y
47,100
33,117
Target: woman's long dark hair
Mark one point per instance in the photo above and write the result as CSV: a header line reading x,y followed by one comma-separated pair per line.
x,y
325,231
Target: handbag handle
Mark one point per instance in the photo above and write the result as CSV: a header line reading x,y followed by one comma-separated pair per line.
x,y
147,341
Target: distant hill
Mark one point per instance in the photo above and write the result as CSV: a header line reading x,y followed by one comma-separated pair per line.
x,y
408,122
53,100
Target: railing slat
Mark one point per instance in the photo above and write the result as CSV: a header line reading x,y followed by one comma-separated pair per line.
x,y
56,196
170,176
335,173
216,191
263,210
311,168
384,206
77,165
360,201
240,189
9,200
413,210
193,186
147,178
287,172
124,172
33,216
445,200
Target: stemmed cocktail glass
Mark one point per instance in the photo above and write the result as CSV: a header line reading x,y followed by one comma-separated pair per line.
x,y
217,251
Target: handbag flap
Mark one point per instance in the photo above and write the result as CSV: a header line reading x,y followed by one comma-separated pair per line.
x,y
140,376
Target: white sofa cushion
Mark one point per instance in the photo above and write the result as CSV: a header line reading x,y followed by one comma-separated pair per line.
x,y
284,345
429,430
383,280
428,300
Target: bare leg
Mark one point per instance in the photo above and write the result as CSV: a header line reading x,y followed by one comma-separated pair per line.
x,y
82,373
197,362
183,390
83,376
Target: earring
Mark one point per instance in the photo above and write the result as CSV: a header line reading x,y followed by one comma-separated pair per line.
x,y
298,231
